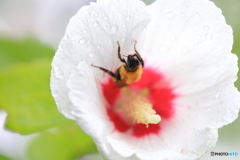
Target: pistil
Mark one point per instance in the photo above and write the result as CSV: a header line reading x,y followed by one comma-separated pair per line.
x,y
136,108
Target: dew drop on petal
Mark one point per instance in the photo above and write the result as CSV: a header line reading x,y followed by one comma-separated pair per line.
x,y
114,29
82,41
198,36
173,38
99,46
217,94
95,24
206,28
85,31
58,72
106,17
91,54
170,14
185,50
209,36
123,39
200,45
128,18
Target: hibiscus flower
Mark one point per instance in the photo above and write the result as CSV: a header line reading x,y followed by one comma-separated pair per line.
x,y
185,93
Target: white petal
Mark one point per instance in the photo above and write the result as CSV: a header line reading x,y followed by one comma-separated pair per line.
x,y
92,36
148,148
190,41
196,57
94,31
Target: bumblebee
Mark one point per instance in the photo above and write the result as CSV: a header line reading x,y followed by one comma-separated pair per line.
x,y
131,71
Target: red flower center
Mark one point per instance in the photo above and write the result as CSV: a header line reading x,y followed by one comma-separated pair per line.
x,y
160,95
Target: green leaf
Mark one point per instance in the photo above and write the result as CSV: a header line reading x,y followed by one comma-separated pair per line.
x,y
64,143
4,158
12,51
25,95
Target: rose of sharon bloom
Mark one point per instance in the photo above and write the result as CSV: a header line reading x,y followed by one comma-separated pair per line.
x,y
186,91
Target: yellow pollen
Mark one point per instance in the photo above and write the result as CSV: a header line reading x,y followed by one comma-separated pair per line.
x,y
136,108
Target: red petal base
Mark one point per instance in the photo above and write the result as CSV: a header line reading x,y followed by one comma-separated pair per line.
x,y
160,94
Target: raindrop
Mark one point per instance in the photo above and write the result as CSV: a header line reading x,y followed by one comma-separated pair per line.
x,y
91,54
114,29
173,38
206,28
200,45
106,17
99,46
209,36
185,50
85,31
217,95
128,18
170,14
82,41
95,24
58,72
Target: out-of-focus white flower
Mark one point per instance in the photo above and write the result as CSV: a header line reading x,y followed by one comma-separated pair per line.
x,y
44,19
188,77
12,145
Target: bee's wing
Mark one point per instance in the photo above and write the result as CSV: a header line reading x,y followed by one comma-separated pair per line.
x,y
122,83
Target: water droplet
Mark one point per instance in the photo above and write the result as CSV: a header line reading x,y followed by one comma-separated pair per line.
x,y
95,24
99,46
82,41
58,72
209,36
106,17
170,14
128,18
206,28
200,45
123,39
91,54
114,29
185,50
217,95
85,31
173,38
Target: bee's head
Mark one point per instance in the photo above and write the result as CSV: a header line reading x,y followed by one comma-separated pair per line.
x,y
132,62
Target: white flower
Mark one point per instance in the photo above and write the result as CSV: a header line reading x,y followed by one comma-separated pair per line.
x,y
188,77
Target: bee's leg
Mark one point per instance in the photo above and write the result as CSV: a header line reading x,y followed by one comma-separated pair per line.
x,y
107,71
119,55
138,55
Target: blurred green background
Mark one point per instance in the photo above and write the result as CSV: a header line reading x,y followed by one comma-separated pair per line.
x,y
25,95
